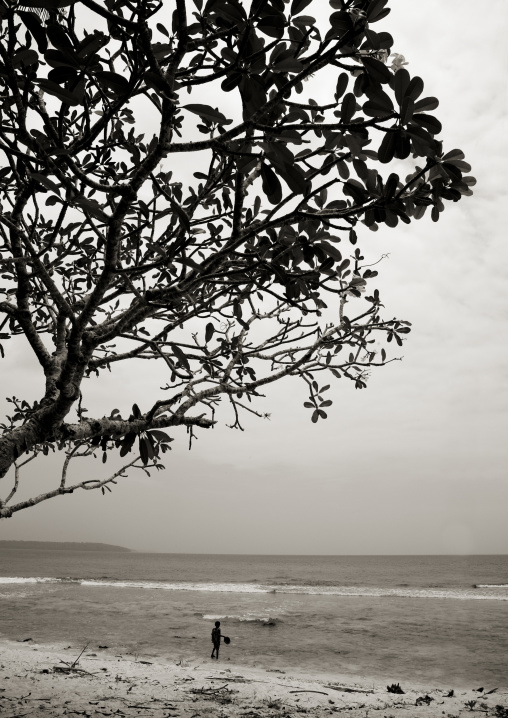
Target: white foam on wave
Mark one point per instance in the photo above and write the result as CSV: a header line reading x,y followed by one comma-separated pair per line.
x,y
491,585
496,592
303,589
244,618
182,586
30,579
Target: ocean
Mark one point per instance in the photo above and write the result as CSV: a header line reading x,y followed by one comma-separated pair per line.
x,y
433,620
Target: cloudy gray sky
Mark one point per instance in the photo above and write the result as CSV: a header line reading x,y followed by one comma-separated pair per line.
x,y
417,463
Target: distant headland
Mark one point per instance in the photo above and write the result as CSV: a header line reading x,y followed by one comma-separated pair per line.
x,y
61,546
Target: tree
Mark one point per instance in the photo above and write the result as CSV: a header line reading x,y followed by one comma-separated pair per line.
x,y
172,194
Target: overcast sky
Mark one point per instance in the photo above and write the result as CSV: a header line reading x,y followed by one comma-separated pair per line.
x,y
416,463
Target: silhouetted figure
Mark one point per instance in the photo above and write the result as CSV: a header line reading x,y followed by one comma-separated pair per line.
x,y
216,636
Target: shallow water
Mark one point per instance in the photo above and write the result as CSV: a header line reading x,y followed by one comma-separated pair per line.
x,y
433,620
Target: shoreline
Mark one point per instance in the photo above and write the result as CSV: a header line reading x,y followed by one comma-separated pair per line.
x,y
44,677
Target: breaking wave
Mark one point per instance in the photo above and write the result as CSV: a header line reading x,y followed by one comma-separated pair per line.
x,y
491,585
497,592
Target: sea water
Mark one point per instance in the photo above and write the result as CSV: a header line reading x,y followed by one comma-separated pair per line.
x,y
433,620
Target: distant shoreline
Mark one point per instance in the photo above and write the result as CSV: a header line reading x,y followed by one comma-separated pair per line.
x,y
61,546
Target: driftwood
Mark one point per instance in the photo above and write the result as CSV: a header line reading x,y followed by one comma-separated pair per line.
x,y
344,689
209,690
71,669
232,679
306,691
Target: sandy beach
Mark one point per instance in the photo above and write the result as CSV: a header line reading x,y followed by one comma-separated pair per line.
x,y
47,680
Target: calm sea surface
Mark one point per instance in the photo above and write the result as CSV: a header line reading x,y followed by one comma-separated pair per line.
x,y
435,620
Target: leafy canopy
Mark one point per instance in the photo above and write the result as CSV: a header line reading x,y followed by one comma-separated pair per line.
x,y
171,192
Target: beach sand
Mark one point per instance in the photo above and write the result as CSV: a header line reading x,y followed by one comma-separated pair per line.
x,y
35,680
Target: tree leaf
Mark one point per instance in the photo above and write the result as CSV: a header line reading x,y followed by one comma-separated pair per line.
x,y
90,44
355,190
162,29
462,166
342,83
293,176
330,250
208,113
400,84
428,122
271,185
209,331
62,74
143,449
402,145
127,443
113,81
304,21
178,352
341,22
387,147
33,23
377,70
407,110
453,155
56,58
391,185
231,81
231,10
427,104
375,93
253,93
66,97
272,25
58,37
289,64
374,109
348,108
415,88
155,82
25,57
159,435
452,171
46,182
376,10
92,207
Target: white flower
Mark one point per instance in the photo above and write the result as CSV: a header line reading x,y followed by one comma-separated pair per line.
x,y
398,61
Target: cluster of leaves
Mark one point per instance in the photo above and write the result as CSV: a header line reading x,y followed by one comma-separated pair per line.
x,y
151,443
316,401
216,240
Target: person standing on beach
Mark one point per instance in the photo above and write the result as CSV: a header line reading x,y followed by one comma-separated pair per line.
x,y
216,636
